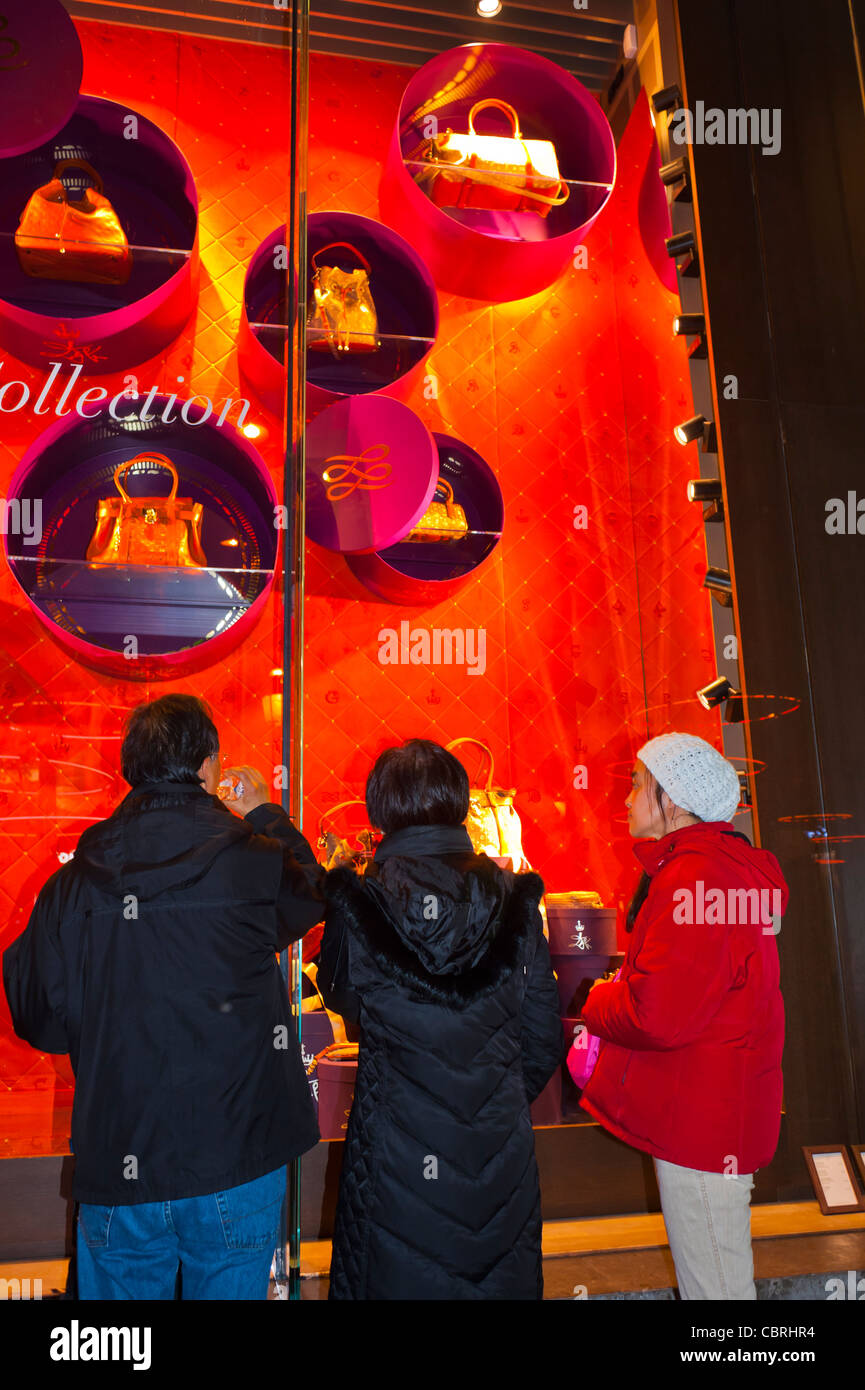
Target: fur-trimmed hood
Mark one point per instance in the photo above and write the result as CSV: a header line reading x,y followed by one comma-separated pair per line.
x,y
450,929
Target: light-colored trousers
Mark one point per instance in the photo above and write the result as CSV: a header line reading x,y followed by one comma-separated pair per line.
x,y
708,1221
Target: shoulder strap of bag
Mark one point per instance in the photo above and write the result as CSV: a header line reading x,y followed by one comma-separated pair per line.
x,y
346,246
163,462
499,106
80,164
488,785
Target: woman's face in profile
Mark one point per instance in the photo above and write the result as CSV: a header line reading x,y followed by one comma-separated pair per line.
x,y
645,817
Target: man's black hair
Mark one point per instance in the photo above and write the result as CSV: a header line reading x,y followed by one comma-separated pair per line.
x,y
167,740
419,783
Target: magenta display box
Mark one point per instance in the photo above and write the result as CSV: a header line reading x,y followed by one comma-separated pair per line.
x,y
182,618
427,572
150,185
406,306
487,255
41,64
371,472
581,930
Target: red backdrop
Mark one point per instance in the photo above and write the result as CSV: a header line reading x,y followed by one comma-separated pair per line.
x,y
570,396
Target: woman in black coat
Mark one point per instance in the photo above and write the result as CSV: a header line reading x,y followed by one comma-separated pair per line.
x,y
439,956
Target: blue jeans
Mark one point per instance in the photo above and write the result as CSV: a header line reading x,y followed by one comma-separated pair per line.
x,y
223,1245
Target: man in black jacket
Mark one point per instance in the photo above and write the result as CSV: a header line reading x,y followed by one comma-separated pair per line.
x,y
151,959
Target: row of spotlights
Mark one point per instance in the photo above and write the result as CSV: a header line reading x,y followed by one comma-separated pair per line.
x,y
705,490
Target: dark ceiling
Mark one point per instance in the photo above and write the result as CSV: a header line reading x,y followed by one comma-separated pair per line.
x,y
584,41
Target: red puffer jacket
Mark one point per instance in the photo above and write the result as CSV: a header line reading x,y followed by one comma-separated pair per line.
x,y
690,1064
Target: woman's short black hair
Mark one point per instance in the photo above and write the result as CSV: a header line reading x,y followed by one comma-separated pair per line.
x,y
167,740
419,783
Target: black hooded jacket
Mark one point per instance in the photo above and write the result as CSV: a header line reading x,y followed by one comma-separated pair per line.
x,y
150,959
440,957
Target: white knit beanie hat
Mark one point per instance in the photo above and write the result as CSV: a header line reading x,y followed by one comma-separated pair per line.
x,y
693,774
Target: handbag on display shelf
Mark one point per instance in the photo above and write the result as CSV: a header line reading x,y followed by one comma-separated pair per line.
x,y
443,520
148,530
492,822
493,171
59,238
337,848
344,306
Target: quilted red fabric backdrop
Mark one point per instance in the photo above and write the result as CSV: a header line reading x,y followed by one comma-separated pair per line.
x,y
570,396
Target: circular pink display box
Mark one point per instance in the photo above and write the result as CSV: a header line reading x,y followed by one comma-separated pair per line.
x,y
498,256
406,306
183,620
150,185
41,65
427,573
371,472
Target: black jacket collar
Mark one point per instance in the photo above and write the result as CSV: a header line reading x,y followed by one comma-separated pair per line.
x,y
419,841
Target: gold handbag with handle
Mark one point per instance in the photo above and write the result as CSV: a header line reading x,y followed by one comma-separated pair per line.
x,y
493,171
337,849
344,307
443,520
492,822
59,238
148,530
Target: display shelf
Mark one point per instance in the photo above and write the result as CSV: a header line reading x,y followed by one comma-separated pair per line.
x,y
181,616
149,184
498,254
406,306
426,572
371,472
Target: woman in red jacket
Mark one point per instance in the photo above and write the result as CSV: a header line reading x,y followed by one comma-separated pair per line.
x,y
689,1068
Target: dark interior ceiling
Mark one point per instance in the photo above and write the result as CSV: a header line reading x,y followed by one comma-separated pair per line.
x,y
586,42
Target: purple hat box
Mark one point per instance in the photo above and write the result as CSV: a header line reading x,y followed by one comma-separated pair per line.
x,y
427,572
336,1082
498,256
150,185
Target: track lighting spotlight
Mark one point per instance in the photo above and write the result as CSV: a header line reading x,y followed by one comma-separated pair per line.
x,y
720,586
709,492
689,324
667,99
680,244
684,244
488,9
695,428
745,798
705,490
673,172
716,693
675,175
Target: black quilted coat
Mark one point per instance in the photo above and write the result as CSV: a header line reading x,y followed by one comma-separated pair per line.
x,y
440,957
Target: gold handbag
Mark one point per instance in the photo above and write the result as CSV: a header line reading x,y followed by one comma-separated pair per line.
x,y
493,171
344,306
81,240
147,530
442,521
337,849
492,822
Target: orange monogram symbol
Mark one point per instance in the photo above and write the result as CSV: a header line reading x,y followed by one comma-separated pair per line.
x,y
7,63
345,473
